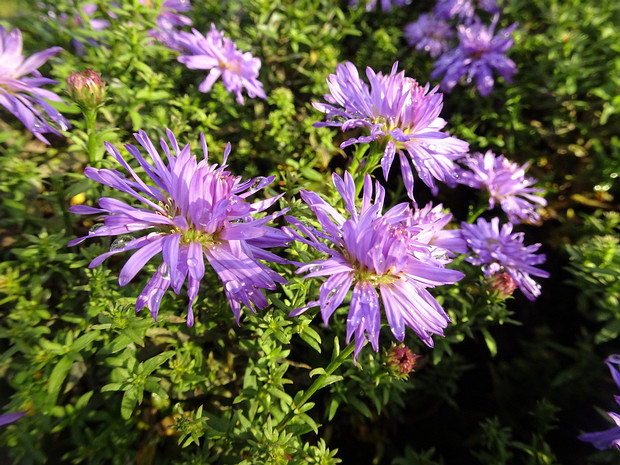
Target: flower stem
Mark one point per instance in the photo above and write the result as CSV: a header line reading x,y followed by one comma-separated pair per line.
x,y
474,214
90,116
318,383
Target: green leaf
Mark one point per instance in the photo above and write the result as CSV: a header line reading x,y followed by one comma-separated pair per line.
x,y
154,362
490,341
57,377
84,340
128,404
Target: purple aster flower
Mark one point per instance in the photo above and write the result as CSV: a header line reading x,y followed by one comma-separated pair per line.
x,y
499,250
400,113
374,252
11,417
464,9
506,183
220,55
610,437
169,19
386,5
195,211
480,52
429,33
430,223
22,95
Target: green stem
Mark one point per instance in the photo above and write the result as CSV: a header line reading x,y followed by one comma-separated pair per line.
x,y
316,385
473,215
90,116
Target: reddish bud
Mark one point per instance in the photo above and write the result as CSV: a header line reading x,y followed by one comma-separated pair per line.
x,y
503,284
402,360
86,88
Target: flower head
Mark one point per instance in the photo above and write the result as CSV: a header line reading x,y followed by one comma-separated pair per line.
x,y
610,437
505,183
429,33
402,360
374,252
20,91
480,51
464,9
194,211
220,55
386,5
169,19
398,112
499,250
86,88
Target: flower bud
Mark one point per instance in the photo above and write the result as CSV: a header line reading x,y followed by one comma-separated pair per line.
x,y
401,360
503,284
86,88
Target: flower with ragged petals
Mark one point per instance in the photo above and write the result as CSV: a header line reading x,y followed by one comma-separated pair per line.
x,y
479,52
506,184
429,33
219,54
20,86
464,9
194,211
399,113
611,437
386,5
501,250
373,251
169,19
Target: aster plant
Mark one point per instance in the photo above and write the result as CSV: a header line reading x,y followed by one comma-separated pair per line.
x,y
611,437
480,52
429,33
499,250
20,86
399,114
194,211
505,183
371,251
220,55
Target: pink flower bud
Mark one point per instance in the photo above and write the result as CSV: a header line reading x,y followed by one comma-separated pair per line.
x,y
86,88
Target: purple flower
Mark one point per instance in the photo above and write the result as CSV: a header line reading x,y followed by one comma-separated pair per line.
x,y
220,55
610,437
399,113
501,251
11,417
373,251
478,54
195,210
429,33
21,94
464,9
506,183
169,19
386,5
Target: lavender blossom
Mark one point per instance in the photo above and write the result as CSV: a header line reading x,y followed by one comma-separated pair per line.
x,y
611,437
21,94
429,33
374,251
464,9
169,19
195,210
500,251
480,52
505,183
386,5
399,113
220,55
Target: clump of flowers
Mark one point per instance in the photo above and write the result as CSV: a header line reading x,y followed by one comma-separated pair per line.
x,y
400,114
219,54
505,183
372,251
480,51
611,437
402,360
194,211
429,33
20,86
500,250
